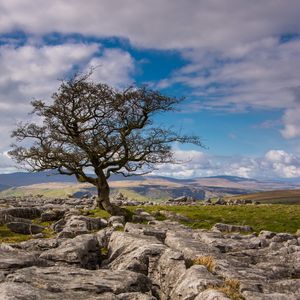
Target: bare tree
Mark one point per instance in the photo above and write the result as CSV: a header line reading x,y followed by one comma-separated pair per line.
x,y
93,127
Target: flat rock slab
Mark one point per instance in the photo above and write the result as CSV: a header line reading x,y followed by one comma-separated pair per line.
x,y
12,259
25,228
82,250
60,279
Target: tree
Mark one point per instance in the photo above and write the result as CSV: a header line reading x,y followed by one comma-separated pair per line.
x,y
93,127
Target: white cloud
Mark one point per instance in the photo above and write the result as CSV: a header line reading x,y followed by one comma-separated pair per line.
x,y
160,24
114,67
274,164
33,71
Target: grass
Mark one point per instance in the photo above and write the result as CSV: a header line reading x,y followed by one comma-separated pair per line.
x,y
272,197
95,213
46,192
273,217
231,288
7,236
207,261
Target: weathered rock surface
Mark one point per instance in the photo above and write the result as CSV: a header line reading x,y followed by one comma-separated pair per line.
x,y
59,282
82,250
76,225
92,259
24,227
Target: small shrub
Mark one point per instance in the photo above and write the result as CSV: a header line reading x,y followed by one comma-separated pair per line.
x,y
231,288
207,261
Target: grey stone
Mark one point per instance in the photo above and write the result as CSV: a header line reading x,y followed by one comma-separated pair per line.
x,y
211,294
24,228
61,279
82,250
231,228
133,252
52,215
76,225
194,281
149,230
116,219
12,259
22,212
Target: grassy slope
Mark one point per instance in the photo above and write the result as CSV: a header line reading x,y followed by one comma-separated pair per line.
x,y
278,218
274,197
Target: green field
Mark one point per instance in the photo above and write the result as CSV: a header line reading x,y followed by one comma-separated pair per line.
x,y
273,197
273,217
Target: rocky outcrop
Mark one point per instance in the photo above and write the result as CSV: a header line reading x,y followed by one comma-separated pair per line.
x,y
91,258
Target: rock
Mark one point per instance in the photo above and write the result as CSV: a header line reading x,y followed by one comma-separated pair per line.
x,y
148,230
61,281
58,226
194,281
135,296
231,228
133,252
211,294
116,219
184,241
170,266
266,234
82,250
181,199
24,228
52,215
76,225
5,218
282,237
22,212
39,245
220,201
12,259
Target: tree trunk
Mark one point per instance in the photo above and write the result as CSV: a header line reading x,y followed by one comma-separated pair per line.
x,y
103,201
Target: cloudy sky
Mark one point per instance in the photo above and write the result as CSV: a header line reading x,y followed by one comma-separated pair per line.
x,y
237,62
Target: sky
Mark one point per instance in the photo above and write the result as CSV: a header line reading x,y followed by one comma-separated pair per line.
x,y
236,62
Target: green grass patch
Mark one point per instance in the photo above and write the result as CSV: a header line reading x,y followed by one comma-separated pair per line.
x,y
273,217
7,236
95,213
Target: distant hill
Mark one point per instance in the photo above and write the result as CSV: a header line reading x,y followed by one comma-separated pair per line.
x,y
28,178
140,187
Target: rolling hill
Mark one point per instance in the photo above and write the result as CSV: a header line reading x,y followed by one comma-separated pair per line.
x,y
140,187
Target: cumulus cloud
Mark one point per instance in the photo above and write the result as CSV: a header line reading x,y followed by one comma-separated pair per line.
x,y
274,164
114,67
33,72
167,24
263,76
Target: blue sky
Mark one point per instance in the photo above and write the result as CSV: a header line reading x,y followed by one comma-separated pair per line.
x,y
236,62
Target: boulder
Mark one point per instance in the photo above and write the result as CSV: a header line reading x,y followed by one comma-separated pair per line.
x,y
24,228
61,281
231,228
82,250
220,201
194,281
12,259
77,224
52,215
133,252
211,294
22,212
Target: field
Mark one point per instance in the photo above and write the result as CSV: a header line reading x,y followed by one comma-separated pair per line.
x,y
274,217
273,197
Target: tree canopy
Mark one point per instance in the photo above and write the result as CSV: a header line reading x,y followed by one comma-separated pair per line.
x,y
91,127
